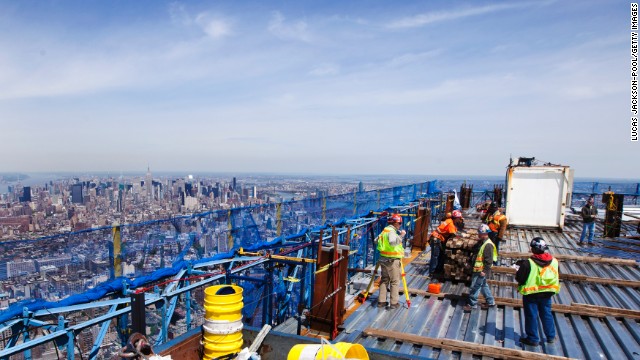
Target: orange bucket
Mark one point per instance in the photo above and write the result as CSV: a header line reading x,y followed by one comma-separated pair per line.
x,y
434,288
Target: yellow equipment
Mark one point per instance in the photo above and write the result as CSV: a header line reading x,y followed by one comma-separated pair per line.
x,y
325,351
404,282
362,297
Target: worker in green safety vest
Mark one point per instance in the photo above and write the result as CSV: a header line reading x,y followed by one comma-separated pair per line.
x,y
538,280
485,257
391,253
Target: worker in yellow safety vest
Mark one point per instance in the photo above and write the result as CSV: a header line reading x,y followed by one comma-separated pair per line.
x,y
497,222
391,253
538,280
485,257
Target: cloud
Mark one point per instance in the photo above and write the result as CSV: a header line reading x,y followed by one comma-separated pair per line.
x,y
433,17
286,31
409,58
325,70
348,19
214,27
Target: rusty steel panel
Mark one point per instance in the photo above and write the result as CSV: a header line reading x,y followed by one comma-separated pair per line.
x,y
322,309
421,230
449,205
189,349
466,193
497,195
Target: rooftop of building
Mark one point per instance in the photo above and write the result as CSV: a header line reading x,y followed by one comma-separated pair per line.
x,y
596,312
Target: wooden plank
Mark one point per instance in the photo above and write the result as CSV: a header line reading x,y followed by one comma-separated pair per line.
x,y
459,345
577,278
574,308
589,259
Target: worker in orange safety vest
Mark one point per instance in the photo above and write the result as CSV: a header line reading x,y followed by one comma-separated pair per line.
x,y
439,237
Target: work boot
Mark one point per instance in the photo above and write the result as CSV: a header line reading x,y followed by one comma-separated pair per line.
x,y
394,306
486,306
551,340
467,308
526,341
383,304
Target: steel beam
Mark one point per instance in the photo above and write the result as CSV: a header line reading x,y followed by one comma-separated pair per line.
x,y
167,314
9,324
103,332
78,307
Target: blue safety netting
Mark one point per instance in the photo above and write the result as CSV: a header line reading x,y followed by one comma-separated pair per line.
x,y
483,189
78,267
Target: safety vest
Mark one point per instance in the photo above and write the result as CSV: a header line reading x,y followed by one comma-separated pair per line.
x,y
385,248
541,279
494,221
441,230
478,266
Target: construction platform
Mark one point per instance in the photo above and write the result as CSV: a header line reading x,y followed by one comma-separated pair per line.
x,y
596,312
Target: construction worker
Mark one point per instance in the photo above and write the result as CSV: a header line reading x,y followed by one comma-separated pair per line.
x,y
485,257
438,238
538,280
391,253
589,214
497,222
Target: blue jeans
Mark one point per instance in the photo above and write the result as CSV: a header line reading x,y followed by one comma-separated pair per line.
x,y
590,227
534,307
478,284
493,235
437,256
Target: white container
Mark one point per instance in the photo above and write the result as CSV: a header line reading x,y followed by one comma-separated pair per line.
x,y
538,195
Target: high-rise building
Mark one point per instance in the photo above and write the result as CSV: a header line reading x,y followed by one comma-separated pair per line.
x,y
76,193
26,194
3,271
16,268
121,197
234,183
149,184
360,187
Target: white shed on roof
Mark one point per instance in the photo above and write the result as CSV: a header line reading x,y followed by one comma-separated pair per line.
x,y
537,195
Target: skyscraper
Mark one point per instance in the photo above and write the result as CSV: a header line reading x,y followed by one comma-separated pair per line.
x,y
148,183
76,193
26,194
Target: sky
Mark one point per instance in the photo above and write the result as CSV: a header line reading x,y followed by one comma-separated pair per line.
x,y
317,87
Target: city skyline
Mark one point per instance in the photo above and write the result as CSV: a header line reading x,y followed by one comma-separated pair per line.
x,y
406,89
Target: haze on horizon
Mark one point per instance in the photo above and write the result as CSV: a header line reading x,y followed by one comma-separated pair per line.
x,y
313,88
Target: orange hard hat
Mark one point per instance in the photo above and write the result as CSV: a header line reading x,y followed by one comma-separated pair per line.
x,y
395,218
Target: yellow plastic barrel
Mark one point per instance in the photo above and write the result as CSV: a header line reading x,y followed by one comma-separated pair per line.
x,y
322,352
223,321
223,302
219,345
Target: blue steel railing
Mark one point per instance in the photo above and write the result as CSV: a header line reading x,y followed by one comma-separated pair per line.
x,y
338,209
